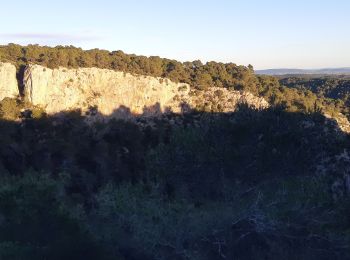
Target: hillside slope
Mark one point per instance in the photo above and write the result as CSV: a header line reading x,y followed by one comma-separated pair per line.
x,y
247,168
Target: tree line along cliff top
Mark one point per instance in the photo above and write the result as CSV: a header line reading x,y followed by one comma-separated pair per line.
x,y
194,73
200,76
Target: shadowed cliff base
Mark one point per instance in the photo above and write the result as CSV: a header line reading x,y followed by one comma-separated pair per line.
x,y
241,185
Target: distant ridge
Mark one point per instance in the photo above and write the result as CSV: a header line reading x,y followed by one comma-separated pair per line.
x,y
332,71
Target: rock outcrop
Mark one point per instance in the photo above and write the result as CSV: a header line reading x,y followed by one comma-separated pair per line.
x,y
66,89
120,94
223,100
8,81
110,93
340,120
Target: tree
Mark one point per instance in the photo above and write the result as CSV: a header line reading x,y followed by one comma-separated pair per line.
x,y
203,81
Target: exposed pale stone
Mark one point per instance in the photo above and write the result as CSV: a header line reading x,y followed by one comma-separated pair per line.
x,y
8,81
341,120
122,95
111,91
118,93
223,100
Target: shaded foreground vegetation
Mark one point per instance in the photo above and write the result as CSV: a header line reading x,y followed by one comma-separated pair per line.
x,y
249,185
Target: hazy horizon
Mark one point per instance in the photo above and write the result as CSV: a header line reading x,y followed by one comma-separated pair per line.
x,y
267,34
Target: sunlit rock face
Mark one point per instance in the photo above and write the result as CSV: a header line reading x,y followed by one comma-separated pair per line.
x,y
223,100
340,120
119,94
8,81
110,91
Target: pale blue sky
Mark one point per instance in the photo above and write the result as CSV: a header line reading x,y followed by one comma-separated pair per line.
x,y
265,33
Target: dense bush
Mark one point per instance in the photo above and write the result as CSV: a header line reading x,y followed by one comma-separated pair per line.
x,y
37,223
335,87
184,191
13,109
326,87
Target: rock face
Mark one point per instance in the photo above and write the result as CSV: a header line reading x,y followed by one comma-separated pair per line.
x,y
110,91
119,94
223,100
341,121
8,81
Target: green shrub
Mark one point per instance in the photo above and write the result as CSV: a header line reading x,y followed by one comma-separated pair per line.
x,y
10,109
37,224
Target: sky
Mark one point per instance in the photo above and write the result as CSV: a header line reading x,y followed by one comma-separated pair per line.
x,y
264,33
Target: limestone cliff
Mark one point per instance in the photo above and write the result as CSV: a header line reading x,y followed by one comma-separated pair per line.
x,y
8,81
118,94
64,89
